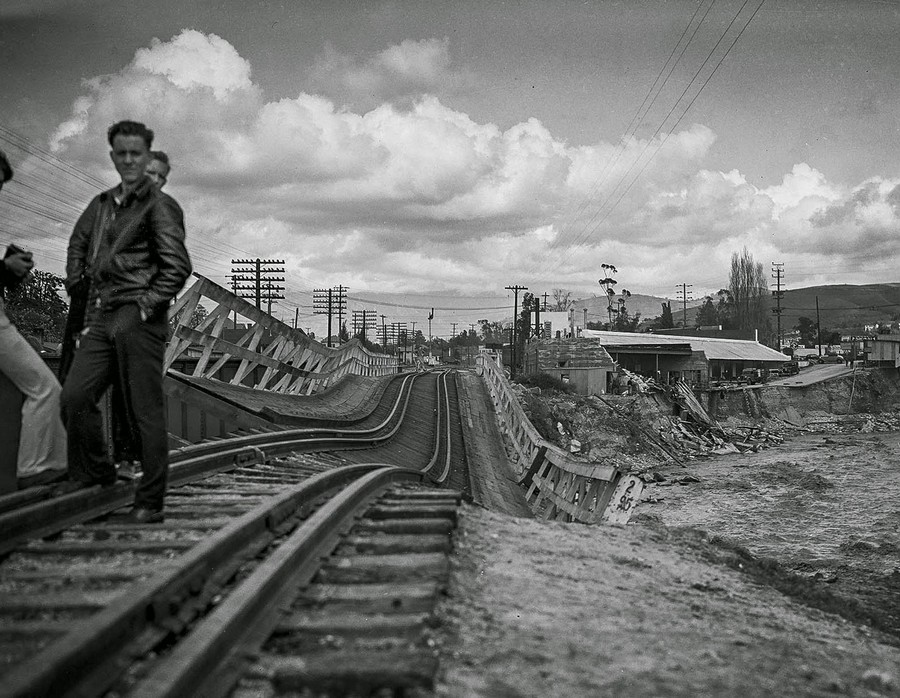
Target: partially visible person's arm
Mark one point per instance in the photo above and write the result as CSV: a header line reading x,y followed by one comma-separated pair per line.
x,y
79,246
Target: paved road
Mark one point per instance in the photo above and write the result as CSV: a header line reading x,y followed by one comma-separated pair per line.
x,y
813,374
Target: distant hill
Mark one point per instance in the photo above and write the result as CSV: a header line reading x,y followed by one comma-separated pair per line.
x,y
648,306
843,306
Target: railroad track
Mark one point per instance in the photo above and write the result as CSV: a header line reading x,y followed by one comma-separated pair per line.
x,y
434,419
102,605
37,512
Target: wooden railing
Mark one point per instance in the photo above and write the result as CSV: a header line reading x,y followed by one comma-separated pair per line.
x,y
292,362
557,486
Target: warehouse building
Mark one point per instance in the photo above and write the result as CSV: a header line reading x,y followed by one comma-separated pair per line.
x,y
696,360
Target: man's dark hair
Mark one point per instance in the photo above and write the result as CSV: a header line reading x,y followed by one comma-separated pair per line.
x,y
161,156
130,128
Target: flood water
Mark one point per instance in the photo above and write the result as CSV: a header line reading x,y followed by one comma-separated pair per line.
x,y
819,503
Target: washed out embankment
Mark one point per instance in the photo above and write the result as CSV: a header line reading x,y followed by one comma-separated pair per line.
x,y
849,399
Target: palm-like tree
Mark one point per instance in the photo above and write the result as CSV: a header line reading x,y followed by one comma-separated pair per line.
x,y
607,283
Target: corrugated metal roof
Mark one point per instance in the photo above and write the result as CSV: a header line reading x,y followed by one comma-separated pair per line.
x,y
714,348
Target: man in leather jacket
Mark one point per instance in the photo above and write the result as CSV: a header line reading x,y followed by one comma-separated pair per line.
x,y
128,246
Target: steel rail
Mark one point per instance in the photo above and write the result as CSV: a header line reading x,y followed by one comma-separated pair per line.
x,y
445,473
265,439
212,656
442,432
47,517
91,650
220,448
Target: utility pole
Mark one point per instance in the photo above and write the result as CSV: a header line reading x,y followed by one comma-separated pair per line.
x,y
322,305
254,275
683,292
398,334
430,318
383,332
330,301
515,289
818,328
341,292
778,294
546,296
363,321
296,317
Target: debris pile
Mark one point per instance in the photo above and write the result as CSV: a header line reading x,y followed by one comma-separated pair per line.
x,y
637,432
657,424
864,422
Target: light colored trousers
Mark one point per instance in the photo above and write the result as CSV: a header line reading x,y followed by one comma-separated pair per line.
x,y
42,444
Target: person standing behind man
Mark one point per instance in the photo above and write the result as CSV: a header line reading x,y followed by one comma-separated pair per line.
x,y
129,244
158,169
41,457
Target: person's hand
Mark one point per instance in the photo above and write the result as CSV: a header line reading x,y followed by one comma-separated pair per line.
x,y
144,315
19,263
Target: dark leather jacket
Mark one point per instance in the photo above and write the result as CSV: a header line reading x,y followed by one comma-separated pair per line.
x,y
132,251
7,279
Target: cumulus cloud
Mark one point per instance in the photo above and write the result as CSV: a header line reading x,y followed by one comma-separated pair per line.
x,y
405,70
195,61
414,194
862,225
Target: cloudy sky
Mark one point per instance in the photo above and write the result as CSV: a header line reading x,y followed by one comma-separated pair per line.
x,y
458,148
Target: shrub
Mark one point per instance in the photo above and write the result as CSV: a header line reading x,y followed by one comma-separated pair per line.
x,y
545,381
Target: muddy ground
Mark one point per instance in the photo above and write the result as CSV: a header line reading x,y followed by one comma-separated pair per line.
x,y
769,573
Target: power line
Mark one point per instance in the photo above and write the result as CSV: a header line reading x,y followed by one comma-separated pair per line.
x,y
636,121
422,307
588,231
675,125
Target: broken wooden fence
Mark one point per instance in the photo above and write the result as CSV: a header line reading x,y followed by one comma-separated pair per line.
x,y
558,486
292,363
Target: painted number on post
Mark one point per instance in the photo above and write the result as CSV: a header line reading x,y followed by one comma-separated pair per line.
x,y
624,500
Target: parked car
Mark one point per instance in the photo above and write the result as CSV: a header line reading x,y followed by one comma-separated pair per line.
x,y
751,376
832,359
790,368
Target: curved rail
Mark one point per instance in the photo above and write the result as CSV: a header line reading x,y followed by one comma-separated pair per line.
x,y
49,516
558,487
440,460
433,421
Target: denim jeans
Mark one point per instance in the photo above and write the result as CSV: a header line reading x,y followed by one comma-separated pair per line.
x,y
42,443
119,347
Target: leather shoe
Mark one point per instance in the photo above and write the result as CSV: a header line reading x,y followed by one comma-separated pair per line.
x,y
128,470
140,515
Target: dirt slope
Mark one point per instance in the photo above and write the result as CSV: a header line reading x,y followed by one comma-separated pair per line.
x,y
769,573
